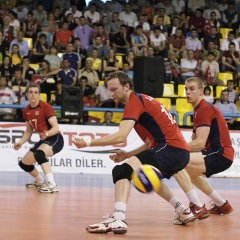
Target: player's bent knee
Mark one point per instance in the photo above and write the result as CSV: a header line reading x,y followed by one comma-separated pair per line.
x,y
40,157
26,168
120,172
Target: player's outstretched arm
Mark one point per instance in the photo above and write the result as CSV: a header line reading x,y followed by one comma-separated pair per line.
x,y
124,129
201,138
27,134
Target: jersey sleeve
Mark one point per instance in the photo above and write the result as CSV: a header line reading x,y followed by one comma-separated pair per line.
x,y
49,111
24,114
203,119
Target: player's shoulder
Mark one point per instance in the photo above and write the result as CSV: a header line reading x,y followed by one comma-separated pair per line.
x,y
43,104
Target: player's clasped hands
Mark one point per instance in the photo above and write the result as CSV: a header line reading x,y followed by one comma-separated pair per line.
x,y
118,156
43,135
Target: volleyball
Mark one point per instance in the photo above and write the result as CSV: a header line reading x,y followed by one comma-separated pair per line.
x,y
147,179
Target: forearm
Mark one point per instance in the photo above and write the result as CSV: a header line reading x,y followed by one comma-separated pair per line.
x,y
137,150
53,131
25,137
195,146
112,139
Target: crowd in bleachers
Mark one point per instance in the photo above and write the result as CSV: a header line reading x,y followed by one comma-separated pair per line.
x,y
69,43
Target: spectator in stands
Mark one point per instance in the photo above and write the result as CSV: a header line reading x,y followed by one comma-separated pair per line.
x,y
6,68
188,66
193,42
230,17
14,22
130,58
230,59
47,5
91,75
102,50
18,84
15,55
193,5
230,38
103,34
53,26
106,25
233,96
97,62
40,15
168,7
21,11
74,11
198,21
81,51
3,11
40,49
7,96
207,94
115,24
158,42
212,22
7,30
110,64
213,37
121,40
98,3
214,70
211,48
103,96
162,13
108,115
150,52
172,70
139,41
83,32
54,60
3,45
128,17
178,6
163,28
45,30
92,15
107,12
116,6
30,27
57,15
67,75
63,36
141,21
227,107
222,6
69,19
27,71
125,69
22,44
175,24
183,22
211,8
148,9
177,43
74,58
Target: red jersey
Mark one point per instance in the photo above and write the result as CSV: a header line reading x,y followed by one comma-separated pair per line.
x,y
206,114
154,124
38,116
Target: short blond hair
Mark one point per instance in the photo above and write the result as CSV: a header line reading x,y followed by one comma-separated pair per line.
x,y
198,80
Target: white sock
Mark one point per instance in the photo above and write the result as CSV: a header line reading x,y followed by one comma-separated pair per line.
x,y
119,210
216,198
50,178
193,197
177,204
39,179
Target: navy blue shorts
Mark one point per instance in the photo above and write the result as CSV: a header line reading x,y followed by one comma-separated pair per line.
x,y
215,162
169,160
55,141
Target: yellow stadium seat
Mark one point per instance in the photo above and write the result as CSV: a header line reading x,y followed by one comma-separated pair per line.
x,y
34,66
182,106
168,90
120,61
211,94
181,90
101,82
238,90
43,97
166,102
224,76
117,117
30,42
218,90
99,115
238,105
225,31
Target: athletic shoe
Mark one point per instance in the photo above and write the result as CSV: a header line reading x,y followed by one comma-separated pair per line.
x,y
111,224
184,217
35,184
199,213
48,188
226,208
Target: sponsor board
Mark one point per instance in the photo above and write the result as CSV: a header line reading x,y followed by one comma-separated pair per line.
x,y
85,160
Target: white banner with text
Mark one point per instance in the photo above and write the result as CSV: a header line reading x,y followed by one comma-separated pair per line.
x,y
85,160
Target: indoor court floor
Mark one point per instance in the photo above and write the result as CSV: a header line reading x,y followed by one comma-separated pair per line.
x,y
84,199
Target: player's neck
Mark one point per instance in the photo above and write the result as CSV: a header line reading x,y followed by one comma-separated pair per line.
x,y
197,102
34,104
126,99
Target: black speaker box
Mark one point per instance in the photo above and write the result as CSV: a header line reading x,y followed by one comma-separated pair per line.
x,y
72,102
148,77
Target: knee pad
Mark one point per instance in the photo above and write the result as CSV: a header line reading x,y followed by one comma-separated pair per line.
x,y
120,172
40,157
26,168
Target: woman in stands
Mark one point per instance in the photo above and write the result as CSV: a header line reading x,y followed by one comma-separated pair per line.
x,y
110,64
130,57
6,68
16,56
30,27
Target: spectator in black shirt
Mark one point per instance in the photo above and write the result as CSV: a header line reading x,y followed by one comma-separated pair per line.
x,y
7,68
212,37
27,71
81,51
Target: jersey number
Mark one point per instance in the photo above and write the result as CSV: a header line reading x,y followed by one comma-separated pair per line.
x,y
33,123
169,115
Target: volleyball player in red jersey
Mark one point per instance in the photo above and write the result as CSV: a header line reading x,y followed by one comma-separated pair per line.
x,y
211,148
164,148
40,117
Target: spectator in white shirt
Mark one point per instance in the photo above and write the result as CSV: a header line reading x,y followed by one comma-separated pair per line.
x,y
158,42
20,11
91,15
178,6
145,25
14,22
74,11
222,6
116,6
226,41
211,8
168,8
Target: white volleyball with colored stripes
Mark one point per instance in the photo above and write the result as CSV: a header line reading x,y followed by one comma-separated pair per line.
x,y
147,179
